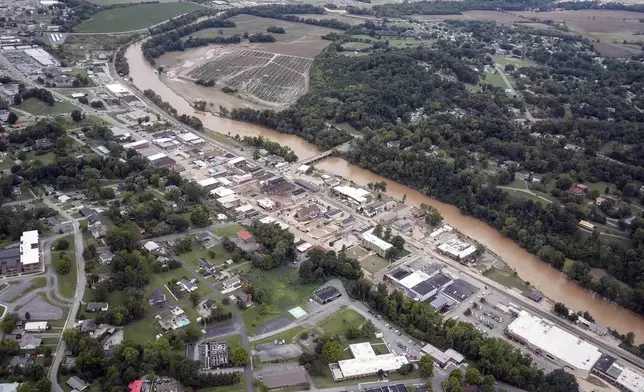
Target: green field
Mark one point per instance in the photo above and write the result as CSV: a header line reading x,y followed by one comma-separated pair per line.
x,y
495,80
44,158
525,195
355,45
506,60
284,292
506,277
340,321
39,108
136,17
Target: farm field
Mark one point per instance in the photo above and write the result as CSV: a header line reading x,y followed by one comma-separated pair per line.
x,y
611,28
342,18
355,45
136,17
263,76
507,60
299,40
111,2
495,80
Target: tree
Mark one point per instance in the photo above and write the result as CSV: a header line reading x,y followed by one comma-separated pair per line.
x,y
12,119
200,216
472,376
368,329
70,335
239,357
426,366
194,298
353,332
77,116
9,323
63,265
17,99
62,244
561,309
332,351
629,339
559,381
27,316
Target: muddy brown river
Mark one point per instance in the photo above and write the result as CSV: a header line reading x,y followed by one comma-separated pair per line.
x,y
541,275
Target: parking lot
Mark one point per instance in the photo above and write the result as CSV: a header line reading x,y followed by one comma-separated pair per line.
x,y
40,310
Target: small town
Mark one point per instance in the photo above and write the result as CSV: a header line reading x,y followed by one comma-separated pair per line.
x,y
143,251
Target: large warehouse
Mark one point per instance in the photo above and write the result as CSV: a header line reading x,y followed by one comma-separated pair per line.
x,y
419,284
545,339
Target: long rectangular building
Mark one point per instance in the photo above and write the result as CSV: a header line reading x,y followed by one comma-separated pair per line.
x,y
552,342
620,376
372,242
365,363
30,251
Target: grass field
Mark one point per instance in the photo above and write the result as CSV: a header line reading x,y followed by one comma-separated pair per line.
x,y
373,263
289,336
506,277
495,80
355,45
228,231
67,282
136,17
39,108
525,195
340,321
506,60
284,291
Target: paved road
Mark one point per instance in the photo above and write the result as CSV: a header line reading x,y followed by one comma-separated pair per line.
x,y
81,283
528,115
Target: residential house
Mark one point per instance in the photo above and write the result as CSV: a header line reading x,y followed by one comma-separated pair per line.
x,y
87,212
94,307
97,229
232,283
106,257
245,237
151,246
76,383
20,361
87,326
187,285
206,240
29,342
93,219
205,266
600,200
157,298
54,223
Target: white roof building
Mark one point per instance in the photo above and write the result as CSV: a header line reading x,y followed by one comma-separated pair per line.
x,y
374,243
413,279
365,362
236,161
41,56
457,249
136,144
29,248
553,342
36,326
151,246
188,137
304,247
355,194
266,204
116,88
155,157
207,182
222,192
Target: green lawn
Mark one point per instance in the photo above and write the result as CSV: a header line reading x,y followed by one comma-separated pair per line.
x,y
67,123
507,60
228,231
284,292
373,263
136,17
355,45
506,277
39,108
495,80
39,282
46,159
239,387
191,258
340,321
49,341
67,282
525,195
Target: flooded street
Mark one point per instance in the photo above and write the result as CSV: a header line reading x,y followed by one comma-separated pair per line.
x,y
541,275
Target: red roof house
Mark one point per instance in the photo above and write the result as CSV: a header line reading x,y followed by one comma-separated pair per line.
x,y
245,236
135,386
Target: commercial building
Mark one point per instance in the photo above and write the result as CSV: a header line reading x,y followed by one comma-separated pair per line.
x,y
419,284
137,145
36,326
365,363
457,250
30,251
354,195
214,354
621,377
372,242
443,358
548,340
289,378
208,184
326,294
266,204
41,56
10,260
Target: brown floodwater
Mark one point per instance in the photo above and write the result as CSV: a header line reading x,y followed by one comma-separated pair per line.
x,y
541,275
